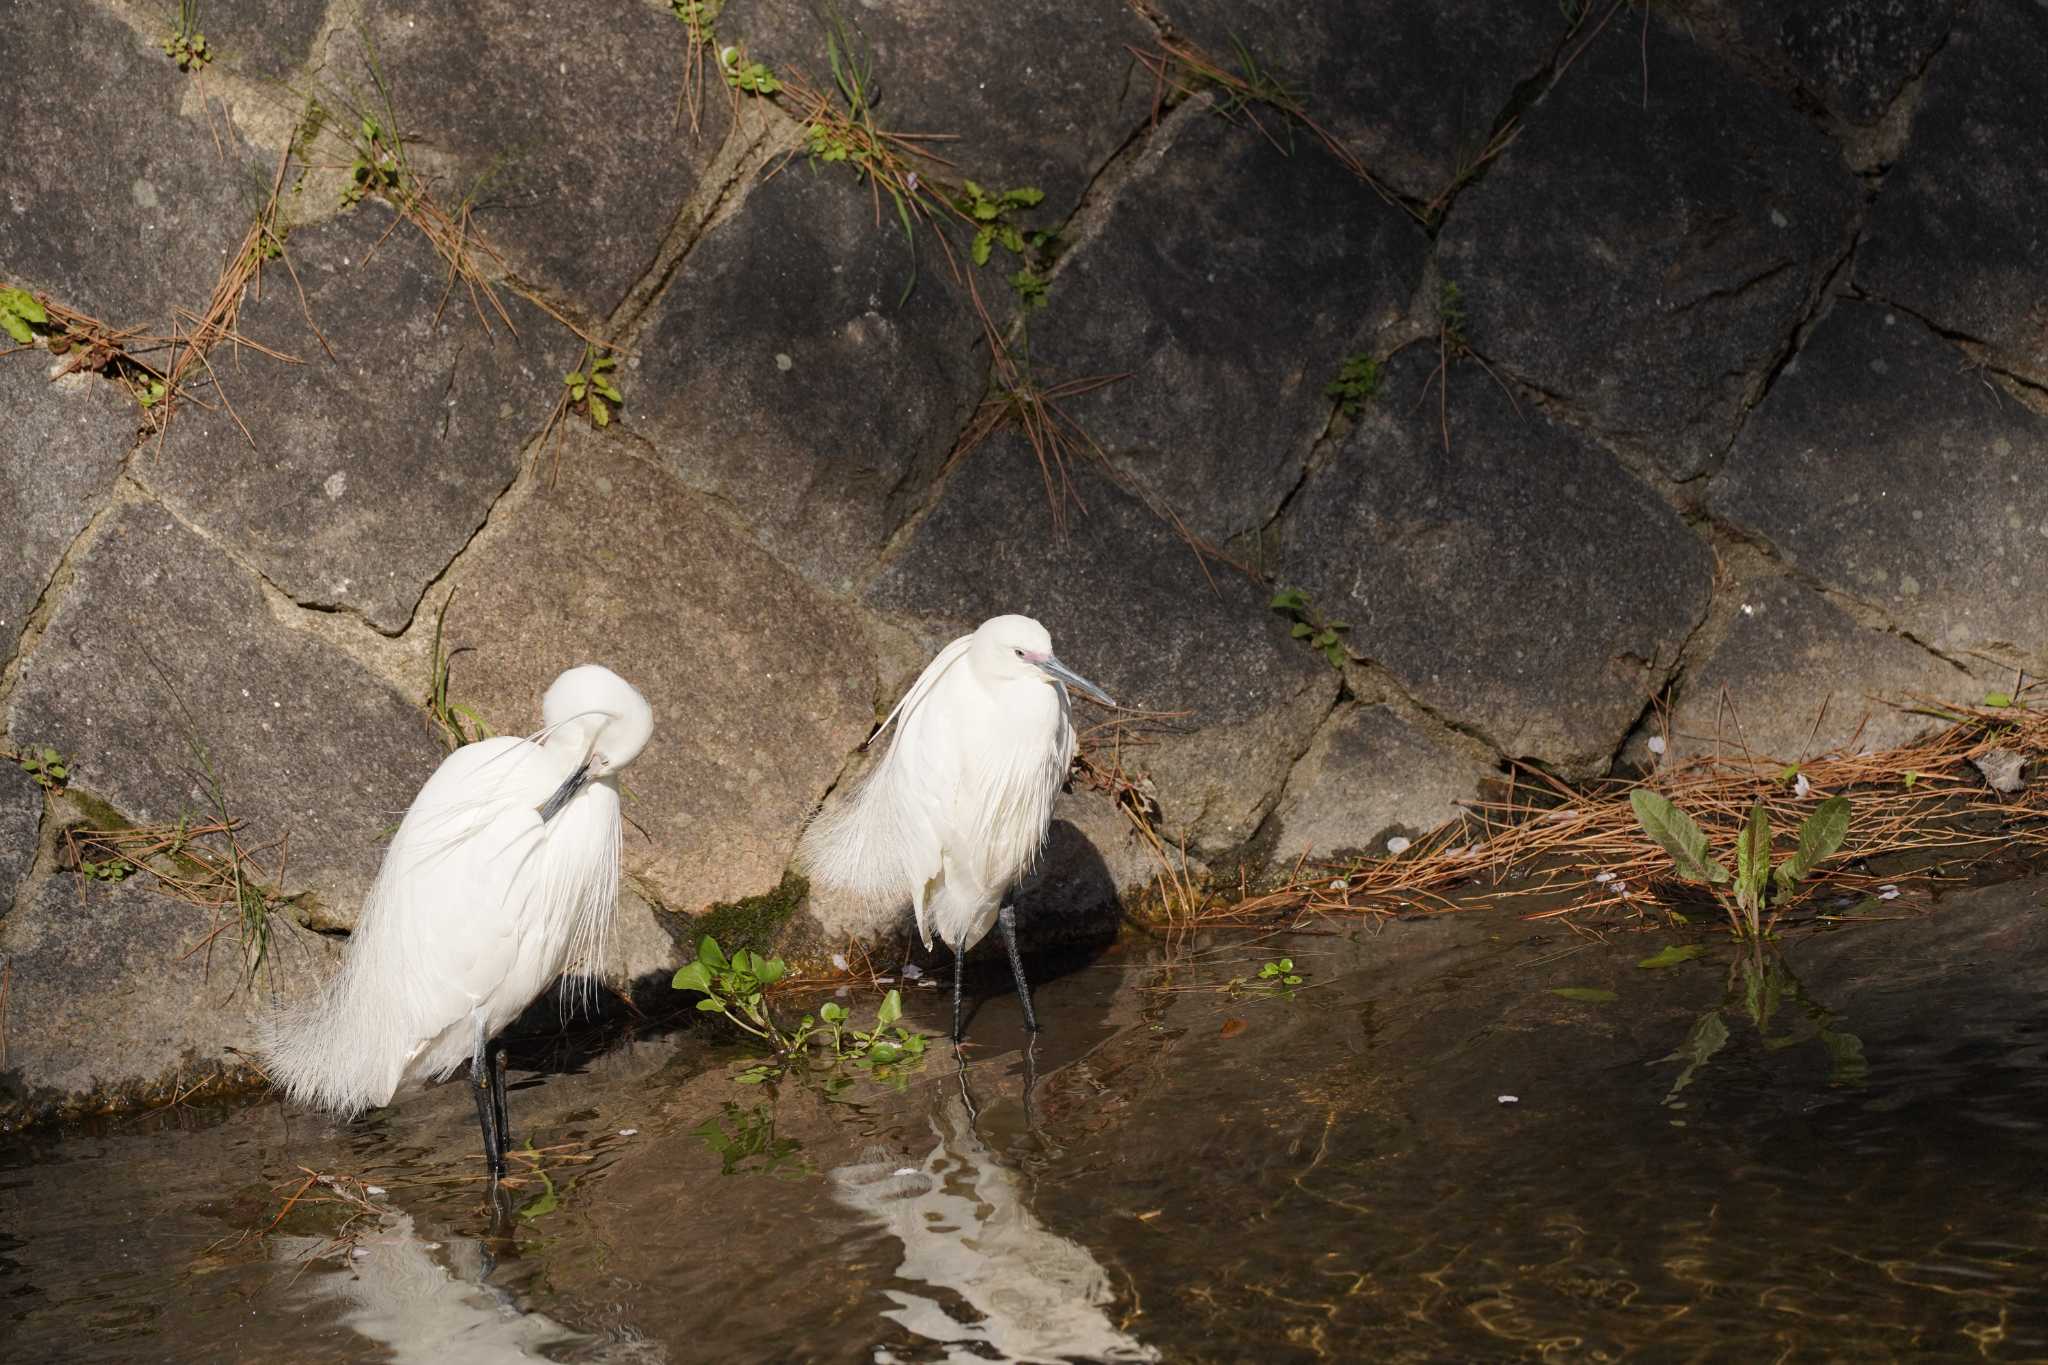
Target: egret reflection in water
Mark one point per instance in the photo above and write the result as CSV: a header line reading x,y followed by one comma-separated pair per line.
x,y
968,1233
425,1312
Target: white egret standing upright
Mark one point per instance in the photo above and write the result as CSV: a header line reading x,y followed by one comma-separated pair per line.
x,y
503,871
956,812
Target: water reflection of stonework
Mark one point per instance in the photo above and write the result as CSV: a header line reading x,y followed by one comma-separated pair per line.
x,y
969,1233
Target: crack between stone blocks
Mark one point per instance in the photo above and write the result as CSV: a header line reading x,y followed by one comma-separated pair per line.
x,y
1093,207
1863,614
1673,675
60,578
1404,703
757,135
1261,830
1977,351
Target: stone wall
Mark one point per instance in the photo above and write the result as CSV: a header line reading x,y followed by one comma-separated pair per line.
x,y
1711,346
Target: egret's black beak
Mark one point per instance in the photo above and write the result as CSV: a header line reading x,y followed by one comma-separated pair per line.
x,y
565,793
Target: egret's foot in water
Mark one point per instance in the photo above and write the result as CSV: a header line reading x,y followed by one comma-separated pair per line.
x,y
1006,920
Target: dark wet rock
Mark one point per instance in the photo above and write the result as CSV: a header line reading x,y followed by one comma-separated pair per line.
x,y
161,641
61,447
111,993
372,468
1956,235
21,816
784,371
123,208
1370,774
1231,306
266,39
1036,93
1853,56
1882,468
563,133
1786,658
1128,606
1438,79
761,686
1484,578
1646,265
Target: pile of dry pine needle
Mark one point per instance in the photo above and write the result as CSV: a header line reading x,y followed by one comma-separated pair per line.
x,y
1547,849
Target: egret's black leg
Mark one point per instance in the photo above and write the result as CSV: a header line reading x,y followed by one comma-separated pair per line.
x,y
490,1105
498,1100
1006,920
959,961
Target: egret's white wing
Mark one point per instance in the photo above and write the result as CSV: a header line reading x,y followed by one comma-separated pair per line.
x,y
881,843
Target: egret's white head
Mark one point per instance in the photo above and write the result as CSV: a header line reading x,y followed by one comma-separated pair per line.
x,y
599,719
1010,648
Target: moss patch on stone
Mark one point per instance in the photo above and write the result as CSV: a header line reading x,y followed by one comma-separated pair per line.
x,y
751,922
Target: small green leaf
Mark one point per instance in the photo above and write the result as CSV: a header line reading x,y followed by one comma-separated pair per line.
x,y
1289,599
832,1013
1585,995
1819,838
1753,855
692,978
1912,779
712,1004
1302,631
12,324
599,413
980,249
770,970
890,1010
1672,955
709,953
1998,699
1675,831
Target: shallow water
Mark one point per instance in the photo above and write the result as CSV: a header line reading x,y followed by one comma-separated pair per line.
x,y
1175,1171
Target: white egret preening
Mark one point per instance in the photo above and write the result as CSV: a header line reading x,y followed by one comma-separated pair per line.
x,y
503,872
956,812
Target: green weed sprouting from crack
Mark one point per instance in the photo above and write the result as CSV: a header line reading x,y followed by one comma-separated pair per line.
x,y
1357,383
185,44
591,388
45,767
379,167
21,314
747,77
459,722
1324,637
